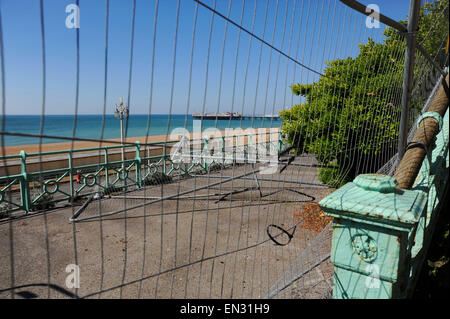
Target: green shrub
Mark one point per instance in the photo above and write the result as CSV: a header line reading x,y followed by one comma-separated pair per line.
x,y
351,114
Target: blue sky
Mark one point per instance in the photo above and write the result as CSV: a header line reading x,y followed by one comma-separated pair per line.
x,y
315,32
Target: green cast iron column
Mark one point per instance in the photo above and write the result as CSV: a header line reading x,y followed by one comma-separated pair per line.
x,y
381,233
138,165
24,183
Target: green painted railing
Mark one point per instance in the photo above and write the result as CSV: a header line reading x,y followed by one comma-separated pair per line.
x,y
380,233
40,188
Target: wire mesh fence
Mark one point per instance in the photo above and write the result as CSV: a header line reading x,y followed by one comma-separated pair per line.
x,y
192,210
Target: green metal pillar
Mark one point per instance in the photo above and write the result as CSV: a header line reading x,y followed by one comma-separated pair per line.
x,y
106,168
373,227
24,183
71,174
381,233
164,158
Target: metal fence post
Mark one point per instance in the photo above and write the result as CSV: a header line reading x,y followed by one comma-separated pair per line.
x,y
106,168
24,186
408,73
138,164
280,140
223,150
71,174
205,150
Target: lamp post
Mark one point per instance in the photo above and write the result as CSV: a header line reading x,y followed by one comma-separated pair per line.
x,y
121,112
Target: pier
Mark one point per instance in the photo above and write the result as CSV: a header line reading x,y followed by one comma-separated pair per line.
x,y
231,115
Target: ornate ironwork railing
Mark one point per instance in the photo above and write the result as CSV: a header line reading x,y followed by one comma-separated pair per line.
x,y
57,176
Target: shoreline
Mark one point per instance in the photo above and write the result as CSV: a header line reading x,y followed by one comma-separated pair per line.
x,y
64,146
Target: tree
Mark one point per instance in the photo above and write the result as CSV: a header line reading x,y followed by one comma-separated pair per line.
x,y
350,117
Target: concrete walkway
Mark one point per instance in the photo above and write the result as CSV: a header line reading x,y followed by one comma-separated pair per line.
x,y
188,247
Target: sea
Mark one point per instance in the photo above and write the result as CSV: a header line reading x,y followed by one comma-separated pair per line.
x,y
94,127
